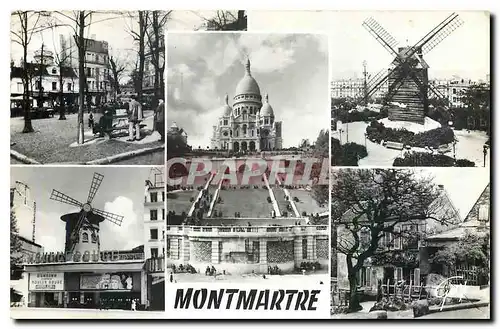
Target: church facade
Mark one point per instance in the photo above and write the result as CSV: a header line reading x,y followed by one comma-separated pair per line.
x,y
249,123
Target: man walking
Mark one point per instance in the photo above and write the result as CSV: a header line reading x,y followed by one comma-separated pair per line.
x,y
134,118
160,119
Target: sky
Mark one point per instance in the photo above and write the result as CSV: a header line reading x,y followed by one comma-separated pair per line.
x,y
121,192
291,68
464,53
463,185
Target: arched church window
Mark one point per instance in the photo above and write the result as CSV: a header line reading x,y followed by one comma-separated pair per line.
x,y
251,132
230,133
266,121
244,129
225,122
94,238
236,132
85,237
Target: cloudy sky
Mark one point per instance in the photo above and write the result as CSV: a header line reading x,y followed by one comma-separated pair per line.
x,y
463,185
291,68
121,192
465,53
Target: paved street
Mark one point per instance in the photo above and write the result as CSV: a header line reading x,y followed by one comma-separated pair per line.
x,y
470,313
51,141
65,313
287,279
469,146
155,158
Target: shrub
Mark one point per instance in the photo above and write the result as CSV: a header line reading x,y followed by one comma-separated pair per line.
x,y
351,153
269,199
304,214
464,163
295,199
422,159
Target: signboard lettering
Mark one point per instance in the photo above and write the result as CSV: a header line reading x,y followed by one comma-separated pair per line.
x,y
87,256
46,281
106,281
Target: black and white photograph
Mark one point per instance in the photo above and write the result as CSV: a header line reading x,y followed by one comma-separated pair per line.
x,y
234,103
87,240
410,243
87,87
413,90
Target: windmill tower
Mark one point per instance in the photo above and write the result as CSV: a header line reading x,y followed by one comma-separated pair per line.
x,y
82,228
407,75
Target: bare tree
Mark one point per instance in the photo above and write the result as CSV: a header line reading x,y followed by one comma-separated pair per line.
x,y
30,22
155,40
368,206
226,20
139,35
61,60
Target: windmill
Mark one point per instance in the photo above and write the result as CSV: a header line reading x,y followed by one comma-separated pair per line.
x,y
407,77
80,224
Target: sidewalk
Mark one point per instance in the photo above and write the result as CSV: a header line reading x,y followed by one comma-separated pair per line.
x,y
54,141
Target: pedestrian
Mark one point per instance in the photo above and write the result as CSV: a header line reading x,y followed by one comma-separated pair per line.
x,y
171,277
134,118
134,305
160,119
91,121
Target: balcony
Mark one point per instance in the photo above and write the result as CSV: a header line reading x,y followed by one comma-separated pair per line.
x,y
245,231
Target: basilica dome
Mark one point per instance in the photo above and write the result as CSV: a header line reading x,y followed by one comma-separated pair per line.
x,y
226,109
266,110
247,84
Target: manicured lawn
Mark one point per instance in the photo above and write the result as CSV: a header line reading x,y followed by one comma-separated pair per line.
x,y
306,202
248,202
180,201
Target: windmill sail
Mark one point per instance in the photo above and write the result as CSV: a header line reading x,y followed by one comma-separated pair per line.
x,y
381,35
94,186
61,197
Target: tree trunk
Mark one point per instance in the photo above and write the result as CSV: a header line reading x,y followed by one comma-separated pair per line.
x,y
28,128
142,33
81,78
62,116
354,305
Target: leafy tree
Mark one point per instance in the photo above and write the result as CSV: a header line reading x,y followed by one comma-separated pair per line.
x,y
321,148
369,204
15,246
477,97
176,145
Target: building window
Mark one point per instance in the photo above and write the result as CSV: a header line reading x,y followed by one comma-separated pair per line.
x,y
69,86
100,85
163,214
225,122
37,85
85,237
163,238
154,234
154,197
304,248
163,196
484,213
364,277
154,252
54,85
94,238
399,274
19,86
54,71
153,214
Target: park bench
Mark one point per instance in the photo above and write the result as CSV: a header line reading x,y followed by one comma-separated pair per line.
x,y
444,148
116,122
394,145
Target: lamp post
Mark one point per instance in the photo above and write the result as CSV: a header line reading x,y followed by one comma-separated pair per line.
x,y
485,152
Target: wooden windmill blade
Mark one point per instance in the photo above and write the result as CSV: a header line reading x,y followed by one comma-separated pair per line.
x,y
75,233
381,35
113,218
436,35
64,198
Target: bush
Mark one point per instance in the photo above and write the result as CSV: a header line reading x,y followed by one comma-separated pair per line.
x,y
377,132
295,199
422,159
464,163
347,154
304,214
269,199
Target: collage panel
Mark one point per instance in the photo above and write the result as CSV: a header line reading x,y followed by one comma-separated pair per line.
x,y
399,98
247,192
411,243
86,240
87,87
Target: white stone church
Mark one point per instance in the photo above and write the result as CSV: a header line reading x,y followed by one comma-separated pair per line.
x,y
247,125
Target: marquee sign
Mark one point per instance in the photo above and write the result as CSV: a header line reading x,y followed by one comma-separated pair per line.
x,y
106,281
87,256
46,281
